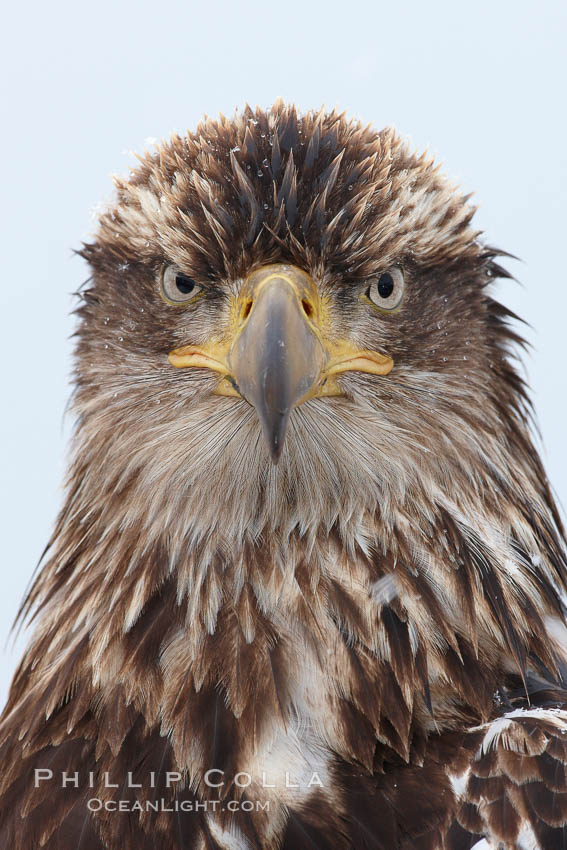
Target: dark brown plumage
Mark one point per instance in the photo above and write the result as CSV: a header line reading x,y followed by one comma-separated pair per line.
x,y
379,614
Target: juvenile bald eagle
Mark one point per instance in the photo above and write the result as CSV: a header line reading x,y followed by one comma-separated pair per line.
x,y
306,590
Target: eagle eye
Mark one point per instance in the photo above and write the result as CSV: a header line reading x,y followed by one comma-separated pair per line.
x,y
386,292
176,287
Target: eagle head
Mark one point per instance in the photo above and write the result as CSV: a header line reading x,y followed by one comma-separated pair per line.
x,y
287,325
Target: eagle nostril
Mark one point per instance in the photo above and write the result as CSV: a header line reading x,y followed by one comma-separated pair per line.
x,y
307,308
246,309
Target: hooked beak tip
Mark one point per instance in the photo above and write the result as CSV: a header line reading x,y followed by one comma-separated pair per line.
x,y
275,436
275,451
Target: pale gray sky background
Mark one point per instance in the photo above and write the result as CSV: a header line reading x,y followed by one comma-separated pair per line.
x,y
482,85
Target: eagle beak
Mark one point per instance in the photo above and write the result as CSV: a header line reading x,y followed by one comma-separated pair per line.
x,y
277,354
